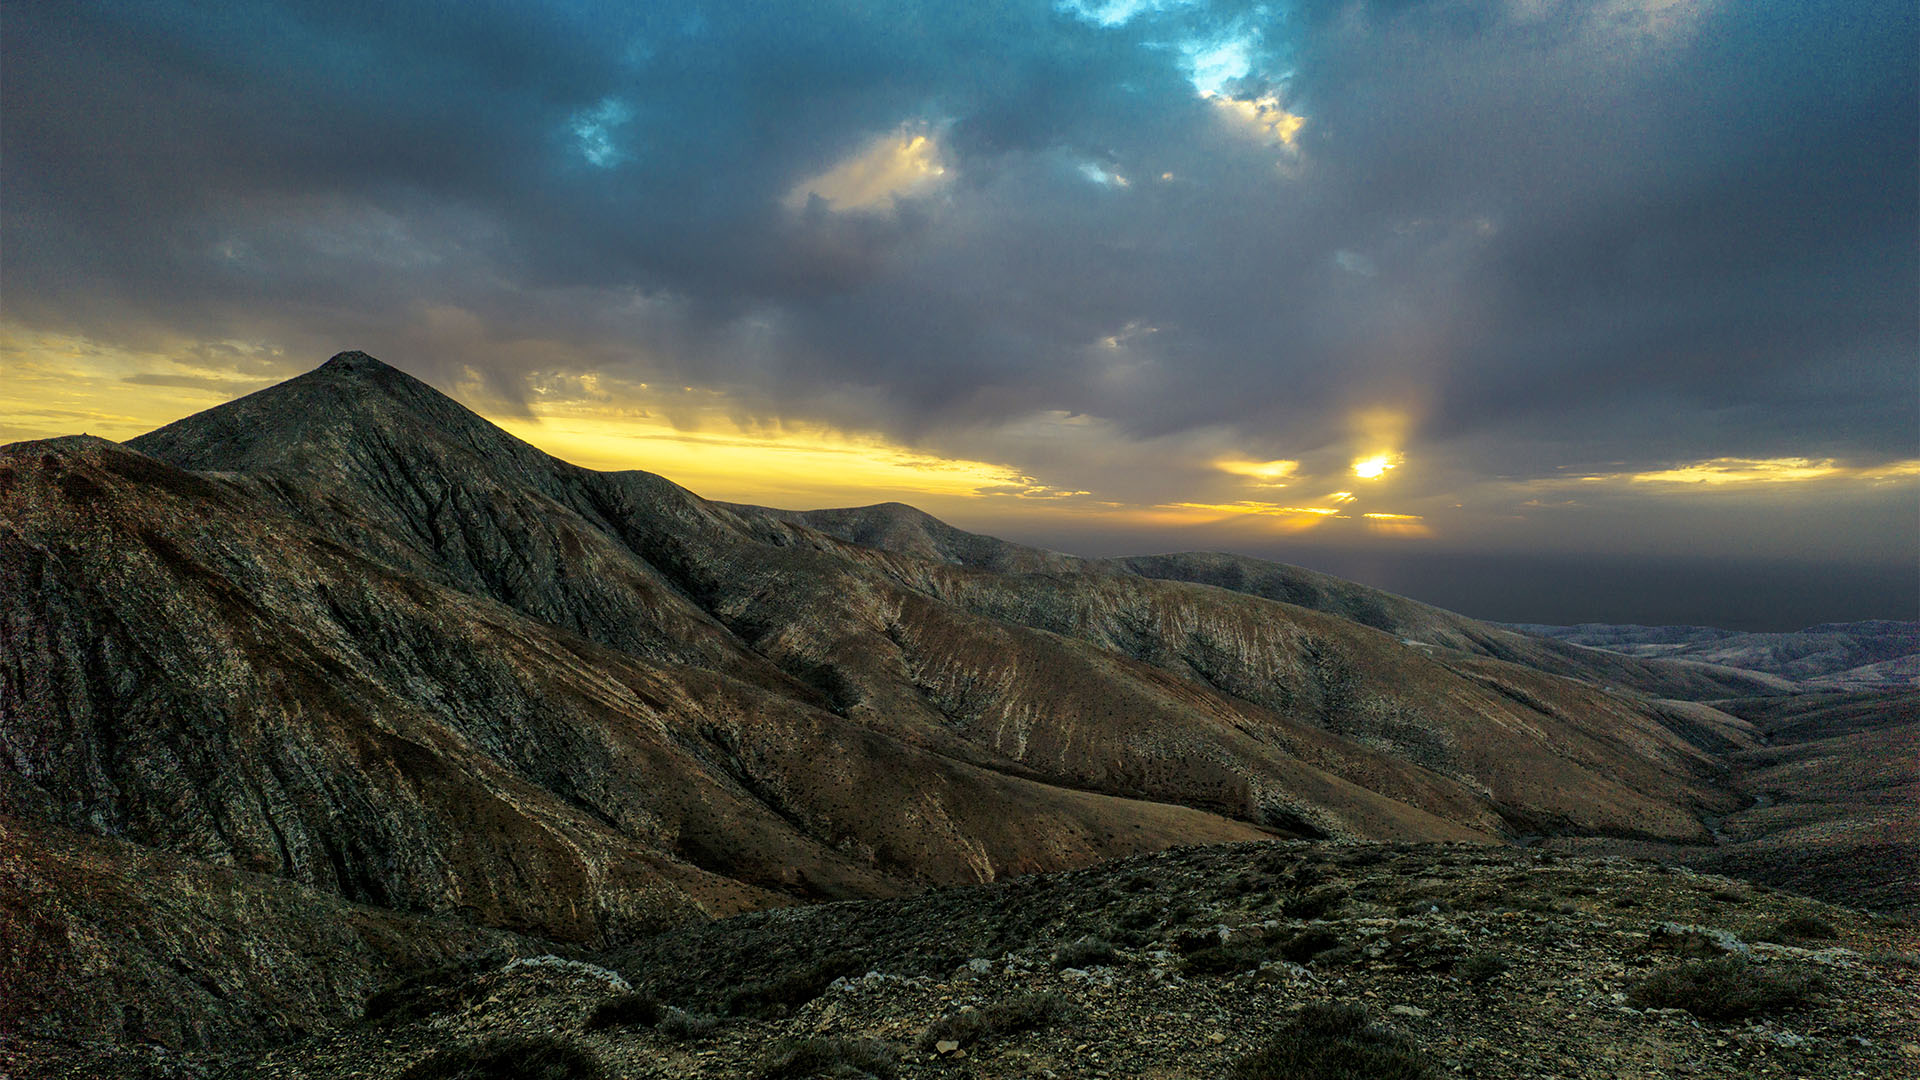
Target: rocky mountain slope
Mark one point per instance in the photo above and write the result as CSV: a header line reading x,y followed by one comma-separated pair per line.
x,y
1247,961
113,945
1835,801
903,529
341,666
1263,712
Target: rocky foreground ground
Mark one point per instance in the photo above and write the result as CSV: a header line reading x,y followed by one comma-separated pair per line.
x,y
1451,960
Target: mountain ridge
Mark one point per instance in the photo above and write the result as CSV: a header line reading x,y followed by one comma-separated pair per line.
x,y
345,633
689,510
905,529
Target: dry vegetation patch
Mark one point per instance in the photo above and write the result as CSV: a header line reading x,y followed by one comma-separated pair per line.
x,y
1727,988
522,1057
1334,1042
1201,973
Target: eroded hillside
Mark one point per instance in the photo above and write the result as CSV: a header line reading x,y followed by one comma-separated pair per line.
x,y
345,644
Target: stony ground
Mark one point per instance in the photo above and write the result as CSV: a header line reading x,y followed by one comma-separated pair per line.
x,y
1485,962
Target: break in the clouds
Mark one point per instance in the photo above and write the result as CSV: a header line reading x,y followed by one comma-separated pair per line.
x,y
1151,256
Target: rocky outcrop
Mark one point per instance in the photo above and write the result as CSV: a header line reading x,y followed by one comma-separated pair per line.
x,y
1479,962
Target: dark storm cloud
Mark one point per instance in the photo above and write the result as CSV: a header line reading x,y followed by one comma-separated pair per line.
x,y
1611,232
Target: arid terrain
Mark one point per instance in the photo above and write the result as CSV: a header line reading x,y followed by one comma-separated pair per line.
x,y
336,684
1197,962
1868,655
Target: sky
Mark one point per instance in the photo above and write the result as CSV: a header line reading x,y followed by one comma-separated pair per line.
x,y
1544,311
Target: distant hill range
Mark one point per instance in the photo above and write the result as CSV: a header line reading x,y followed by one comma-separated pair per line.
x,y
1866,655
341,669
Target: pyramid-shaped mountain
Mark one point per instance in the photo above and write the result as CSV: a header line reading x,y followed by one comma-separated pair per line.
x,y
345,637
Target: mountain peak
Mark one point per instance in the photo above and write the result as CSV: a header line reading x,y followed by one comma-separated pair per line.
x,y
347,400
353,361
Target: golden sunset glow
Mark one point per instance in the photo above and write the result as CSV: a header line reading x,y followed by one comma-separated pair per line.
x,y
890,167
1279,517
1270,473
696,439
1257,508
1407,525
1373,468
718,445
1742,471
1755,472
59,384
62,385
786,466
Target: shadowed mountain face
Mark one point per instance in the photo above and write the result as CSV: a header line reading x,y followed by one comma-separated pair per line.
x,y
346,634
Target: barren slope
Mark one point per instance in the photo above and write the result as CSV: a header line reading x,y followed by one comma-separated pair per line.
x,y
897,528
1101,681
347,634
1486,962
199,674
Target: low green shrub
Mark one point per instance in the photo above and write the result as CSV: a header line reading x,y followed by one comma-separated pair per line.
x,y
1479,967
1727,988
1310,943
682,1026
1183,910
1274,862
1085,953
841,1059
1029,1011
1237,955
1022,1012
1242,884
1800,928
779,994
529,1057
1189,941
1334,1042
966,1027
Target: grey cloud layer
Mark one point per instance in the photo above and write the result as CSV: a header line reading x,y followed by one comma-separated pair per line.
x,y
1609,232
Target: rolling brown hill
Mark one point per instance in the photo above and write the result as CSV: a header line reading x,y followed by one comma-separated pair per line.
x,y
345,634
1835,801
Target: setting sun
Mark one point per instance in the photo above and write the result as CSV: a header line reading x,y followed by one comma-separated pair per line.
x,y
1372,468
